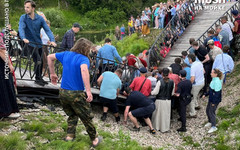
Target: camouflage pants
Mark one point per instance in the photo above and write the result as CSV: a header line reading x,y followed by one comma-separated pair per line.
x,y
75,106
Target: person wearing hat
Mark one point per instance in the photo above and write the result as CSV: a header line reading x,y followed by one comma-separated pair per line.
x,y
142,84
69,37
184,94
236,30
163,91
214,50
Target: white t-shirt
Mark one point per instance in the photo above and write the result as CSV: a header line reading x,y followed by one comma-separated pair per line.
x,y
198,72
44,38
226,26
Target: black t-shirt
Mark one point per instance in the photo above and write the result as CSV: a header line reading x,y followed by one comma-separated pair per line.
x,y
136,99
201,53
184,88
176,68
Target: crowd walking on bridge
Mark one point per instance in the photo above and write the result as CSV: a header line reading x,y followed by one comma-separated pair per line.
x,y
152,93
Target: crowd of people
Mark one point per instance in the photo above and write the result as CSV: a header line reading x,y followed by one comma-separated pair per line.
x,y
151,94
180,12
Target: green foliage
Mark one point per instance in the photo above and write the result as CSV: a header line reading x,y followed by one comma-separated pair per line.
x,y
130,44
55,16
224,113
12,142
189,141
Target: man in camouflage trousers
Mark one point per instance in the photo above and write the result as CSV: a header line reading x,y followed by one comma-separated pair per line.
x,y
75,79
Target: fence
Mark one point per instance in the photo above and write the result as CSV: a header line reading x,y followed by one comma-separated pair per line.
x,y
172,31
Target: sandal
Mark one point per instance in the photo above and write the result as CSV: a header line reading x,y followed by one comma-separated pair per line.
x,y
99,141
153,131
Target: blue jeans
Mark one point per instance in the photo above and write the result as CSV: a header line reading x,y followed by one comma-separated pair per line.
x,y
161,22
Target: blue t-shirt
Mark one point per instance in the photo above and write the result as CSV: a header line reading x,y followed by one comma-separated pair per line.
x,y
71,76
122,29
110,83
188,70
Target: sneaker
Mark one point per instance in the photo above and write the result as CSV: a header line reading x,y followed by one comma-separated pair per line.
x,y
135,129
182,129
104,117
14,115
212,129
39,82
153,131
208,125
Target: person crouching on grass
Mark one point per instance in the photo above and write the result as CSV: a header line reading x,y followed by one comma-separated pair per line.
x,y
215,97
74,100
143,107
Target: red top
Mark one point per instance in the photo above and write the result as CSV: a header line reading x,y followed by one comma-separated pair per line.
x,y
137,83
132,60
238,21
175,79
2,45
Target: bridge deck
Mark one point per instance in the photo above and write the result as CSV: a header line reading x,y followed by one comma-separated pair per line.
x,y
196,28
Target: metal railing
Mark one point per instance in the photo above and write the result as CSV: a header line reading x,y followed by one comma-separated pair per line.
x,y
173,30
26,60
229,15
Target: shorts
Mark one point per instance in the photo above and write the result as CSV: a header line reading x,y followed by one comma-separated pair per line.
x,y
110,103
144,112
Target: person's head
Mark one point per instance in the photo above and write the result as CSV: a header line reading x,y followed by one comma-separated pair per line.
x,y
210,44
191,40
184,54
82,46
177,60
76,27
127,55
170,69
143,71
119,72
155,74
195,45
216,73
235,13
9,26
210,33
191,58
165,73
29,7
108,41
117,28
226,49
122,25
224,19
182,74
218,29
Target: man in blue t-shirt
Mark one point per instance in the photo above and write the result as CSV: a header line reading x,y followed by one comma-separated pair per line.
x,y
75,77
110,86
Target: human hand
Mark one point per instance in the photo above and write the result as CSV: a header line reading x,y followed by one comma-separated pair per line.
x,y
53,44
213,105
203,97
54,78
89,96
25,41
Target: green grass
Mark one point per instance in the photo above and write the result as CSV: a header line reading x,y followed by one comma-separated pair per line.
x,y
189,141
45,132
12,142
4,124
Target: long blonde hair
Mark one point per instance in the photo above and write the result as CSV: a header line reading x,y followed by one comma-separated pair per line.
x,y
82,46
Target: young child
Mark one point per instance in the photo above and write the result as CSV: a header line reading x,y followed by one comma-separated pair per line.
x,y
215,97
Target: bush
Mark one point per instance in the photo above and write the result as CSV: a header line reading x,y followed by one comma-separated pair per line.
x,y
55,16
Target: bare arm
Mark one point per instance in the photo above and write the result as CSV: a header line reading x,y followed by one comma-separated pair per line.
x,y
235,26
51,59
192,79
206,59
99,80
126,113
86,81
